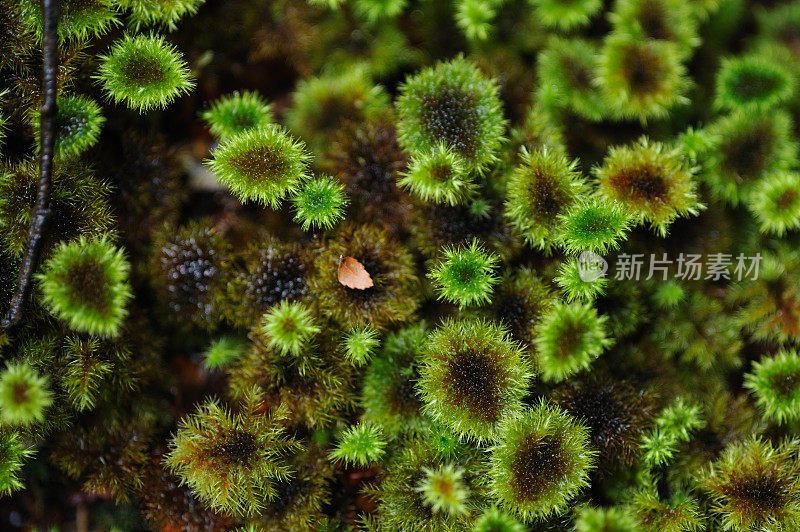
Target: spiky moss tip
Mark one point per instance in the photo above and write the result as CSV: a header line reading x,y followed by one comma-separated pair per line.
x,y
594,224
237,112
775,381
641,79
156,12
23,395
440,176
376,10
289,327
775,202
544,186
475,17
77,125
651,182
452,104
232,462
443,489
361,444
755,485
78,20
223,352
472,376
563,15
581,280
669,294
567,71
754,84
262,165
569,337
320,203
681,419
541,461
85,283
465,275
145,72
14,452
360,344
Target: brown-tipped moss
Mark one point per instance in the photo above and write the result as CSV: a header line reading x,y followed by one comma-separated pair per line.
x,y
392,299
617,413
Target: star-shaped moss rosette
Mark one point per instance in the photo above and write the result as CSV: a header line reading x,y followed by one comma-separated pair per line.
x,y
755,484
569,337
85,283
14,452
775,382
376,10
262,165
472,376
361,444
753,83
565,15
594,224
475,17
541,460
232,461
664,20
775,202
544,186
78,125
747,147
236,113
320,203
567,71
440,176
465,275
641,79
289,327
454,105
24,395
159,12
652,182
144,72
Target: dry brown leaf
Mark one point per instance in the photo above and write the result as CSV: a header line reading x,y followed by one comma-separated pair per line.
x,y
352,274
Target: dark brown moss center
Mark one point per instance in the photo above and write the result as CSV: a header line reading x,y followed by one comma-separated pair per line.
x,y
642,69
450,116
537,463
642,183
88,283
261,163
475,383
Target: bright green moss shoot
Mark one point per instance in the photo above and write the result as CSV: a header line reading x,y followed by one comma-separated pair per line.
x,y
144,72
440,176
262,165
236,113
78,19
289,327
360,444
443,490
85,283
320,203
775,381
775,202
163,12
465,275
78,125
23,395
753,83
568,339
360,344
595,225
565,15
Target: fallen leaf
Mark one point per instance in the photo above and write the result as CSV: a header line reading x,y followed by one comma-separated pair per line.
x,y
352,274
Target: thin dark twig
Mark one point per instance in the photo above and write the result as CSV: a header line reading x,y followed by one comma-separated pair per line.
x,y
41,209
